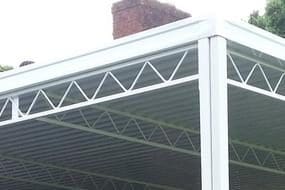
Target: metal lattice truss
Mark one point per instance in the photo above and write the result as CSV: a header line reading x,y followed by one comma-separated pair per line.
x,y
159,134
270,82
45,105
258,157
136,129
12,105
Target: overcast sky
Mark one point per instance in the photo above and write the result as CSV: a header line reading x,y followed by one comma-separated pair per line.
x,y
50,30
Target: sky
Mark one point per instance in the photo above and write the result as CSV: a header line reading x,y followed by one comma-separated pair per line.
x,y
52,30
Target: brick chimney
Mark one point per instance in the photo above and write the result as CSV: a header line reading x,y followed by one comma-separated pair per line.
x,y
132,16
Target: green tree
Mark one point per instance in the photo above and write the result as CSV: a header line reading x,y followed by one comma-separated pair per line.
x,y
273,20
5,68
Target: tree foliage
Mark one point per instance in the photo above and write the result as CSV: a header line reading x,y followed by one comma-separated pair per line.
x,y
5,68
273,20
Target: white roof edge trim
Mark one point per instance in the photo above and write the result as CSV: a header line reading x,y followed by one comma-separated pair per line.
x,y
169,36
253,37
113,44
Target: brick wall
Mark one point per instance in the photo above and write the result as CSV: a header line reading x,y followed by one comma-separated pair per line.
x,y
132,16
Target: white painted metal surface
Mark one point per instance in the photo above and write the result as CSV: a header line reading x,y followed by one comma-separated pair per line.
x,y
121,50
219,113
20,90
205,113
168,36
213,113
253,37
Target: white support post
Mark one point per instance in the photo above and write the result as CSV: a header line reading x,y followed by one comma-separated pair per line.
x,y
219,113
205,113
213,113
15,107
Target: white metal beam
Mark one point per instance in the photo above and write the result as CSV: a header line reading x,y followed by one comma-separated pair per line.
x,y
219,113
205,113
256,89
146,141
15,107
120,51
234,143
239,159
248,35
177,34
169,125
243,162
213,113
94,101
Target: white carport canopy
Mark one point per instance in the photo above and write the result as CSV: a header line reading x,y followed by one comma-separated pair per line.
x,y
197,104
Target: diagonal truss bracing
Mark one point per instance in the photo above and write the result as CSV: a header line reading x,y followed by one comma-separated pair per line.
x,y
53,176
172,137
179,139
256,76
39,102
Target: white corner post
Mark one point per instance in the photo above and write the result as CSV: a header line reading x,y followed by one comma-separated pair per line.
x,y
213,113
